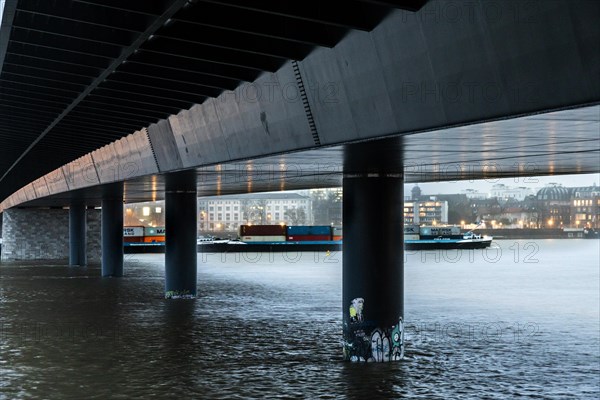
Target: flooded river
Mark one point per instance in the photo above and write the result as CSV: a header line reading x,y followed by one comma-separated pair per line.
x,y
517,321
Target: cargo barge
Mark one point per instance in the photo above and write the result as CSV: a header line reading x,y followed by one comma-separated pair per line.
x,y
442,238
252,238
278,238
283,238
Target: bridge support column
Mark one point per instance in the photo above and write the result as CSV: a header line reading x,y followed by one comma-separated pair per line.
x,y
77,234
373,269
112,231
181,234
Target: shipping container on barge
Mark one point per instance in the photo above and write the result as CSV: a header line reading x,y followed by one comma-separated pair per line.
x,y
144,239
443,238
278,238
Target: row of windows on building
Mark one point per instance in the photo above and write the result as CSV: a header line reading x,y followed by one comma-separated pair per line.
x,y
425,212
228,214
236,216
237,208
588,202
300,201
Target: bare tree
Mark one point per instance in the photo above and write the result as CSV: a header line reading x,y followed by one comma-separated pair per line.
x,y
297,216
327,207
254,211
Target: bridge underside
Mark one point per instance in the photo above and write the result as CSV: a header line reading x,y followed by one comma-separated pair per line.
x,y
557,143
78,74
114,107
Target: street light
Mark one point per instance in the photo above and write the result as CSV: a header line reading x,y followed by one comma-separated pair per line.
x,y
550,222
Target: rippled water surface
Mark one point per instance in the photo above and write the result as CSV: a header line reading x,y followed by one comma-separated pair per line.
x,y
519,321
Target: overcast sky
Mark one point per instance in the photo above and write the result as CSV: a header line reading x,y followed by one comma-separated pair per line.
x,y
484,186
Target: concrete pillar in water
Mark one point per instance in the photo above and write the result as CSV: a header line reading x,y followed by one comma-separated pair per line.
x,y
77,234
181,233
373,265
112,231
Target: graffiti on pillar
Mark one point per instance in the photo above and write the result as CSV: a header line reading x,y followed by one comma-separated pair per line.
x,y
380,346
179,294
366,342
398,341
356,309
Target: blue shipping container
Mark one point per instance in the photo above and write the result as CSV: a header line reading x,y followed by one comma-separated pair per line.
x,y
309,230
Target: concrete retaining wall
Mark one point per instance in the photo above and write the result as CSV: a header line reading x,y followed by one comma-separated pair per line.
x,y
94,237
43,234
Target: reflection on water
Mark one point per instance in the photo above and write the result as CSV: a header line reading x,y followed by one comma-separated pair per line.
x,y
484,326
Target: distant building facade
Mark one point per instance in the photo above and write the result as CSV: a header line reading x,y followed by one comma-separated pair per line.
x,y
585,207
426,212
504,192
227,213
474,194
569,207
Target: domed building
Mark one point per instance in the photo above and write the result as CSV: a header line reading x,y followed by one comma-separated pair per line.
x,y
554,192
415,193
576,207
554,206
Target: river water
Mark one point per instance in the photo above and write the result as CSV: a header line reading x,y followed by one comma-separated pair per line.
x,y
517,321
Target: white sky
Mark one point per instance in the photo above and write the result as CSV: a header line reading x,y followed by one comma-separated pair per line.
x,y
485,186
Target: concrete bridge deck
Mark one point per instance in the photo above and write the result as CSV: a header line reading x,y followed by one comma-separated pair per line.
x,y
93,92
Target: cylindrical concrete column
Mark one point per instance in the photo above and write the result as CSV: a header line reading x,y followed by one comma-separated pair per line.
x,y
373,269
77,234
181,234
112,231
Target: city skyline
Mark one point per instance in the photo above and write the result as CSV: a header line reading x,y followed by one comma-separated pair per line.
x,y
485,185
457,187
